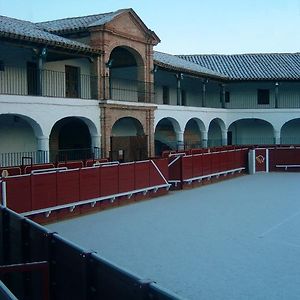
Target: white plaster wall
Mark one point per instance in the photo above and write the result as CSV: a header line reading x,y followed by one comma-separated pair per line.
x,y
127,127
276,117
16,134
44,112
290,132
244,95
252,131
54,82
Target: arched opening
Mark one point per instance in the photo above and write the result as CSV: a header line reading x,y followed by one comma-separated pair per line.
x,y
18,136
251,132
290,132
70,139
214,134
126,68
165,135
128,140
192,134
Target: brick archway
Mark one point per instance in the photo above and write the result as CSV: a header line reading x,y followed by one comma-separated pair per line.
x,y
111,113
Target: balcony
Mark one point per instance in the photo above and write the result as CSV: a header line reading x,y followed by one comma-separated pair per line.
x,y
48,83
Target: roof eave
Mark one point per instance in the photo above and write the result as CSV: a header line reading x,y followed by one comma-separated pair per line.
x,y
194,73
54,44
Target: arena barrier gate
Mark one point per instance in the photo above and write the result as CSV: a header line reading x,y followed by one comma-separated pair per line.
x,y
279,159
51,194
192,170
37,264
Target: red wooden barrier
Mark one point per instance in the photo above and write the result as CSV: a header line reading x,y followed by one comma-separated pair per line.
x,y
89,183
126,177
187,167
142,174
175,169
215,162
286,156
197,165
109,180
68,187
71,164
91,162
196,151
18,193
28,169
155,177
206,164
43,190
12,171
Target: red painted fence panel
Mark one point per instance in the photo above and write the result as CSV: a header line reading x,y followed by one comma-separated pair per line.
x,y
142,175
155,177
206,164
175,168
109,180
126,177
215,162
28,169
18,193
187,167
89,183
197,165
44,190
68,186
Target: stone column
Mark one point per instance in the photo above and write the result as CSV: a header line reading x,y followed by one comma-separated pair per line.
x,y
43,149
224,137
204,135
180,139
276,137
95,141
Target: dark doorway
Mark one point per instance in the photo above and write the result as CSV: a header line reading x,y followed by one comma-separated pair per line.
x,y
128,140
32,78
229,138
129,148
70,139
72,81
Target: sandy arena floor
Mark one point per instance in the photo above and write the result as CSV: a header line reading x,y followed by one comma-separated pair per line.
x,y
238,239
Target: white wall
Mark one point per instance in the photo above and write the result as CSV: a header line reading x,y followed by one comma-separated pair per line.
x,y
43,112
16,134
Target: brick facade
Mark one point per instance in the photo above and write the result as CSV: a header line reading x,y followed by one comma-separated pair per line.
x,y
127,31
111,113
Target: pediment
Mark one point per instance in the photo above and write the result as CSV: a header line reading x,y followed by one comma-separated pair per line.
x,y
128,24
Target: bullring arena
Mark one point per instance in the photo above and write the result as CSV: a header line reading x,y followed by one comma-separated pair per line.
x,y
205,231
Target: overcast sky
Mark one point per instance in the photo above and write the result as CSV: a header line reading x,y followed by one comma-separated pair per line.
x,y
190,26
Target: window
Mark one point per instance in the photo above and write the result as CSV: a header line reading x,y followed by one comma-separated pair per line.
x,y
166,95
263,96
183,98
227,97
72,82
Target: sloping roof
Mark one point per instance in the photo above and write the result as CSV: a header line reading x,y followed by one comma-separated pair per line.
x,y
263,66
25,30
176,63
79,23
